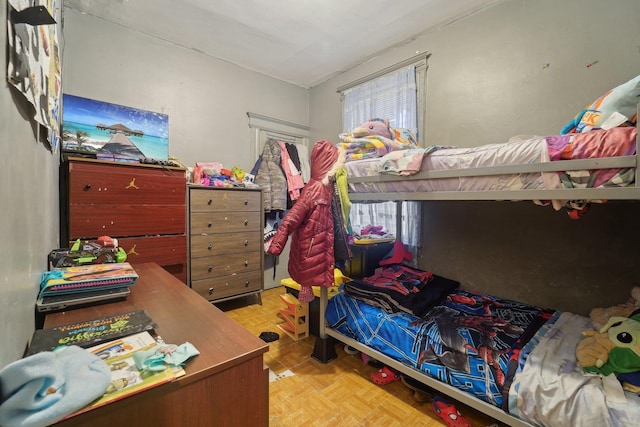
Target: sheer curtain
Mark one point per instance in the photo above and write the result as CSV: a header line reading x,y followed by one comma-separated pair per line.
x,y
392,96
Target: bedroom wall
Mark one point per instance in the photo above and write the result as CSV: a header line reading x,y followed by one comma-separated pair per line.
x,y
519,67
206,99
534,254
29,212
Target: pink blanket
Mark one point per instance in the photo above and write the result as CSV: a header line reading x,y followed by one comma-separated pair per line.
x,y
619,141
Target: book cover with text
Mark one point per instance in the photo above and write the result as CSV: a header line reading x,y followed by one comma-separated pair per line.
x,y
91,332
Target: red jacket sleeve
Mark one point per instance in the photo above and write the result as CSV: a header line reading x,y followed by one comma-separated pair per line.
x,y
290,223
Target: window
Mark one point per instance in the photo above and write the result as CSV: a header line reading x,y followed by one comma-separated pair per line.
x,y
397,94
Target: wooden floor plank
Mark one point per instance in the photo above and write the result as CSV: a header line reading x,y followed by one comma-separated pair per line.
x,y
337,393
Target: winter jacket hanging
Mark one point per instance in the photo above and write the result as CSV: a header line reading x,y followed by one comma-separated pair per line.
x,y
310,223
270,177
292,174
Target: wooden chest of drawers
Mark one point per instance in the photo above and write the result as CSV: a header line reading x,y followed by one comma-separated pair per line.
x,y
225,242
143,206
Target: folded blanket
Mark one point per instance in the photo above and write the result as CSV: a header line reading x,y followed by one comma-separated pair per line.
x,y
406,162
371,146
619,141
419,298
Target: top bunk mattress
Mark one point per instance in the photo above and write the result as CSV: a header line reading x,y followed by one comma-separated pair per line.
x,y
501,167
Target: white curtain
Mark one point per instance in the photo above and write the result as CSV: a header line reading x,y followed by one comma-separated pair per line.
x,y
392,96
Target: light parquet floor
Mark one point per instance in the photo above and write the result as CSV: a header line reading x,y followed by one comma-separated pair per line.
x,y
338,393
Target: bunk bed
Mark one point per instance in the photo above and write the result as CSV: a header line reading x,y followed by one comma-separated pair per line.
x,y
484,174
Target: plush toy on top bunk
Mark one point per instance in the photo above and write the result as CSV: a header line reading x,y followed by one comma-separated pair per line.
x,y
375,138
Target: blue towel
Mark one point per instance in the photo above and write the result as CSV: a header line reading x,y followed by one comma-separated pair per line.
x,y
45,387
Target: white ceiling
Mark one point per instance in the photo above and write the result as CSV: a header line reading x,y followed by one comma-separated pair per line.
x,y
303,42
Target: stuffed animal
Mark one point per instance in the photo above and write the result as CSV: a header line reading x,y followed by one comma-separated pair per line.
x,y
601,316
594,349
615,349
374,127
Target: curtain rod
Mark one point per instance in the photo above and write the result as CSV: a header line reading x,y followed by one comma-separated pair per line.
x,y
274,120
394,67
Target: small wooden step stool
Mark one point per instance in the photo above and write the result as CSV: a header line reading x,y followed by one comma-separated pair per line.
x,y
295,316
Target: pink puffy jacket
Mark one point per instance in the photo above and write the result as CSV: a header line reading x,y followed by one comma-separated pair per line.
x,y
310,224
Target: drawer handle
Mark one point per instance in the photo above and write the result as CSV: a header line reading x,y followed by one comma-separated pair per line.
x,y
210,269
246,243
246,202
210,246
209,224
246,284
246,222
210,291
87,187
209,201
246,263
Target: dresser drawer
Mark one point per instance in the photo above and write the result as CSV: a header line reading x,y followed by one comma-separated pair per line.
x,y
224,222
202,268
164,250
212,200
95,183
91,221
167,251
225,243
228,286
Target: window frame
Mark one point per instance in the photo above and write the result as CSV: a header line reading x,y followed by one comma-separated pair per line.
x,y
420,63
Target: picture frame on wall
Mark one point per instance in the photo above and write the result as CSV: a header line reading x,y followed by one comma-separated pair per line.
x,y
106,131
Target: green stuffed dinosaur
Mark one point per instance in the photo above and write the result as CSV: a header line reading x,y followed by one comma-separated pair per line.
x,y
614,350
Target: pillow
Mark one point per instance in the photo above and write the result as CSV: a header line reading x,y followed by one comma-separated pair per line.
x,y
622,99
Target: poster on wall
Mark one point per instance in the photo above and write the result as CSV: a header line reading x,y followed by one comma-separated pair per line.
x,y
34,61
113,132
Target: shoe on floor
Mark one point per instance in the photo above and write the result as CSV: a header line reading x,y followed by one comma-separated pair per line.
x,y
384,376
449,413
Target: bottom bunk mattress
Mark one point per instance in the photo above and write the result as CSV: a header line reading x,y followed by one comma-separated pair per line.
x,y
467,340
549,387
512,355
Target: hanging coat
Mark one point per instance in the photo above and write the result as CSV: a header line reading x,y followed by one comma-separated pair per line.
x,y
270,178
310,223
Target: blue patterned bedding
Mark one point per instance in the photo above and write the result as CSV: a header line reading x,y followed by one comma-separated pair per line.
x,y
467,340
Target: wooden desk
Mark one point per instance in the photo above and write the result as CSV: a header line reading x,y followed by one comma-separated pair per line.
x,y
226,385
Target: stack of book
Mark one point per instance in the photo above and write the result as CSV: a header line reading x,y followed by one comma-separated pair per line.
x,y
71,287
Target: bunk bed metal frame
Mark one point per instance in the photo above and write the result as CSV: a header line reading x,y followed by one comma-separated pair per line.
x,y
324,350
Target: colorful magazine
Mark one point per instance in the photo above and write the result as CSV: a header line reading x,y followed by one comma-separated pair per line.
x,y
81,278
126,378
